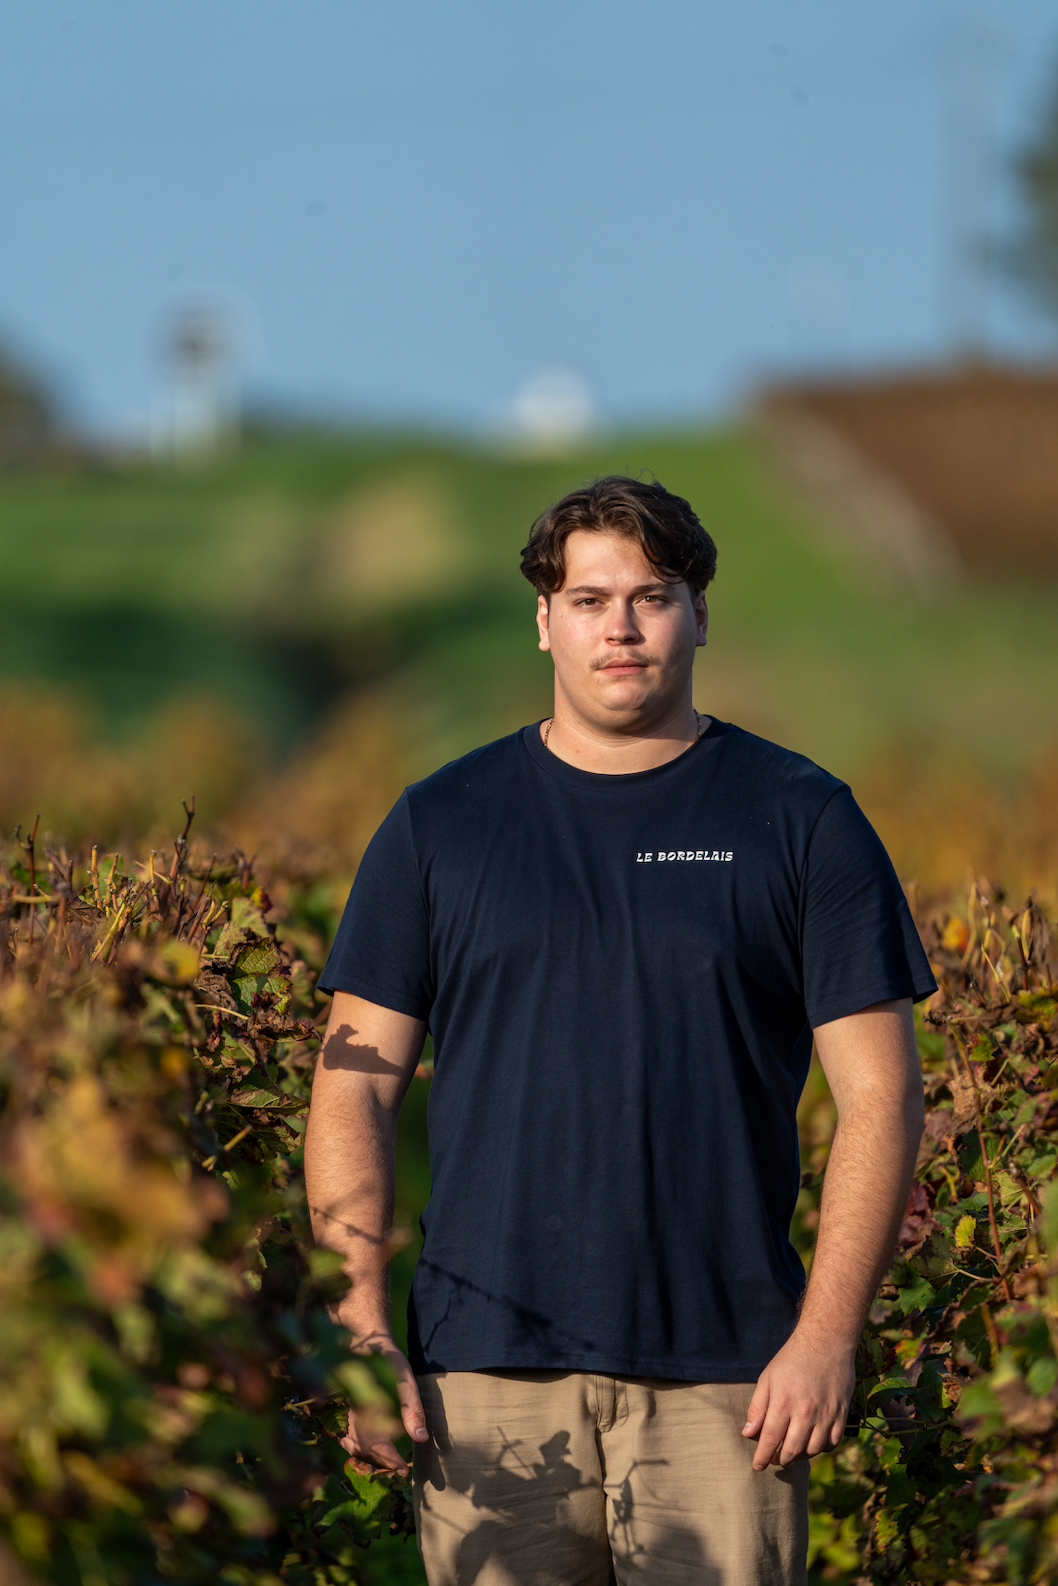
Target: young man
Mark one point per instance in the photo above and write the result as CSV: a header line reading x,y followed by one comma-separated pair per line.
x,y
622,927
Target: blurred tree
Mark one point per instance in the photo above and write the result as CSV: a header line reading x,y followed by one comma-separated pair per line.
x,y
27,416
1034,254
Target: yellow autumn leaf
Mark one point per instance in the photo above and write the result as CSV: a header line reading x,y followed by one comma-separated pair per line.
x,y
965,1229
179,961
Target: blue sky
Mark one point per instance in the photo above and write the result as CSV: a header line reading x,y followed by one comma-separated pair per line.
x,y
408,206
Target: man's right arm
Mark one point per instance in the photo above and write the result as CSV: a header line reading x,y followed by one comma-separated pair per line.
x,y
365,1066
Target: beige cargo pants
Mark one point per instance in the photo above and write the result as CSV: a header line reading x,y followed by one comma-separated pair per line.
x,y
571,1479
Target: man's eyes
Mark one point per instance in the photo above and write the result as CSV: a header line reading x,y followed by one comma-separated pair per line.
x,y
593,600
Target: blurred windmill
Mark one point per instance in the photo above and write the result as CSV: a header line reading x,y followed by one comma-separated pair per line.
x,y
197,412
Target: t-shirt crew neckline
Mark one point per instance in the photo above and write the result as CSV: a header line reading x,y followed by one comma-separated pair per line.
x,y
576,777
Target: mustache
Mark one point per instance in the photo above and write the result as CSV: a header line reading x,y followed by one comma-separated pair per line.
x,y
633,658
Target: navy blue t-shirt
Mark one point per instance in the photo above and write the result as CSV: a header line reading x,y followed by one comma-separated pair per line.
x,y
621,975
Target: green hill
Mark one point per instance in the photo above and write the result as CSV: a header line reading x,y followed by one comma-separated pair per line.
x,y
282,576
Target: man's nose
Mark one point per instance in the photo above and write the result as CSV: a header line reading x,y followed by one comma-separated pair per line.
x,y
622,627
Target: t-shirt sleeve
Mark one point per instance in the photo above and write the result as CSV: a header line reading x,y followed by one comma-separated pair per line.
x,y
382,949
859,944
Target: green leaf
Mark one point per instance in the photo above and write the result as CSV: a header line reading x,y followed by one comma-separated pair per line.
x,y
371,1491
1050,1218
269,1097
245,926
886,1530
916,1296
844,1552
247,917
337,1541
76,1401
229,939
1007,1189
323,1262
890,1385
1041,1375
258,958
899,1489
248,989
1040,1005
979,1411
360,1384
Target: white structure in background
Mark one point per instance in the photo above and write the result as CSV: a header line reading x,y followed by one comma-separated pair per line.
x,y
197,411
553,407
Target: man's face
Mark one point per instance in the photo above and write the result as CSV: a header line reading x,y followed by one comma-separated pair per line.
x,y
621,637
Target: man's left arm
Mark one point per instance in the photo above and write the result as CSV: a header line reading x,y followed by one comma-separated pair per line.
x,y
871,1064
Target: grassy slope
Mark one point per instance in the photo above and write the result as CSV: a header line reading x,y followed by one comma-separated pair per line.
x,y
138,583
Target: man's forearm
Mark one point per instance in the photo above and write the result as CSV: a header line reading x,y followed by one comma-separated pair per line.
x,y
802,1396
864,1195
366,1063
349,1173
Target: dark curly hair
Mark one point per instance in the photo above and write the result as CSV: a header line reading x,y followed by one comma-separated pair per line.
x,y
666,526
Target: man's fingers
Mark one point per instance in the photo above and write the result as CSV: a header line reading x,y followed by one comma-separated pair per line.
x,y
411,1410
810,1434
380,1456
758,1409
771,1438
795,1443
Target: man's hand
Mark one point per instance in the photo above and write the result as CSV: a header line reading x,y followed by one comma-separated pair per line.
x,y
801,1402
370,1441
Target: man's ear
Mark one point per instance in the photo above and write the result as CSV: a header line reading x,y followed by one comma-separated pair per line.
x,y
701,611
542,614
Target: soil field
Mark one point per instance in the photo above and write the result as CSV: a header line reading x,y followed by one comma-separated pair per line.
x,y
976,448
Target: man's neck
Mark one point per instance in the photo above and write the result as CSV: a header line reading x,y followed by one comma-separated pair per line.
x,y
613,753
